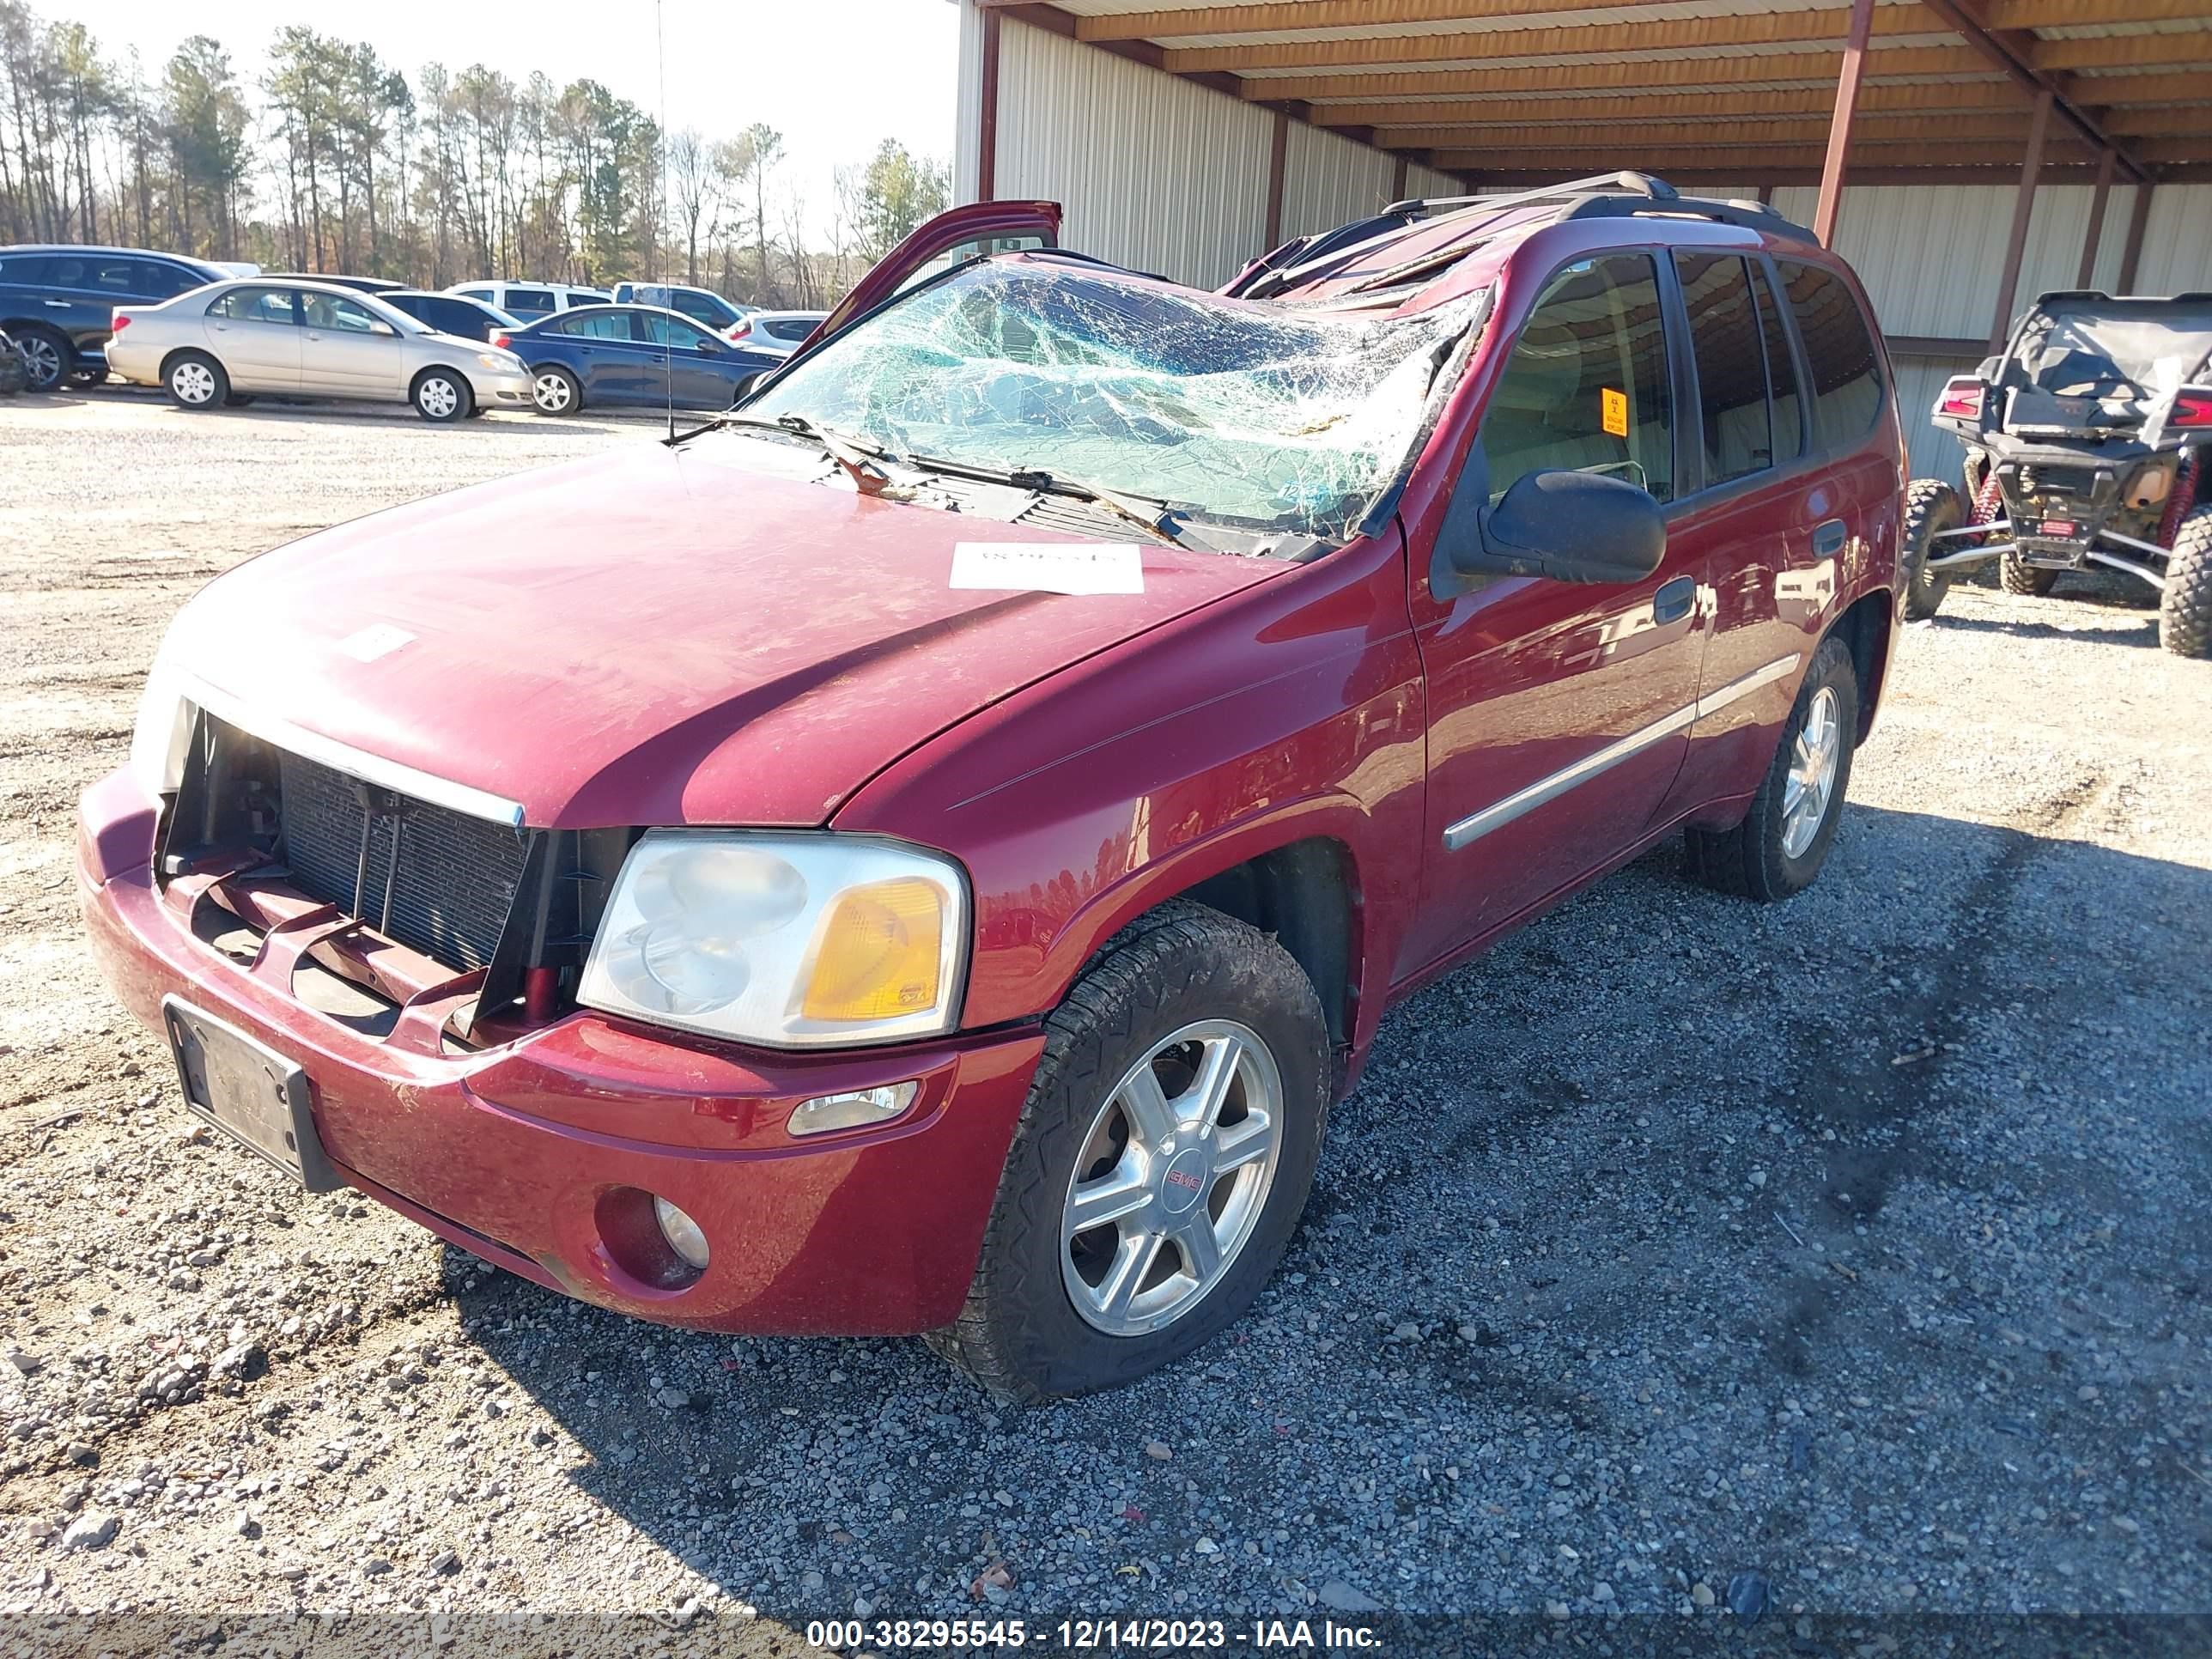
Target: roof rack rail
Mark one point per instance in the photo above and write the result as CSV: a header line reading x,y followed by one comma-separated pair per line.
x,y
1747,216
1636,184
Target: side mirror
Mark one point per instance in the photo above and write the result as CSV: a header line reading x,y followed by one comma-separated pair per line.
x,y
1566,525
380,326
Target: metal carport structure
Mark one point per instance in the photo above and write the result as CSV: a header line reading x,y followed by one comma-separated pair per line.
x,y
1965,154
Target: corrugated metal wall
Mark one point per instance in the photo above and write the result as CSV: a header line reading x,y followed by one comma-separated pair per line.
x,y
1166,176
1154,173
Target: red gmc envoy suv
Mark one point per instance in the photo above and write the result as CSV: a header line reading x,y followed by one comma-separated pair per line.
x,y
923,851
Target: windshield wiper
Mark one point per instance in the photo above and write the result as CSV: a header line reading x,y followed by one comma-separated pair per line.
x,y
863,463
1141,511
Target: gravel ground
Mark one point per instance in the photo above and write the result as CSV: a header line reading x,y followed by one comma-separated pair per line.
x,y
1859,1243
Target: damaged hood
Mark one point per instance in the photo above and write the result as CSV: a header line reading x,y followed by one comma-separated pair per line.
x,y
652,636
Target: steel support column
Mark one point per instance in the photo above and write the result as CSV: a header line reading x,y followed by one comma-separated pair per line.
x,y
986,120
2092,237
1839,124
2132,255
1278,158
2023,210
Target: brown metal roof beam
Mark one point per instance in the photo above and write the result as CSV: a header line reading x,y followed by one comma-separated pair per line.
x,y
2119,51
1584,110
2060,13
1621,75
1673,34
1281,17
1751,165
1626,129
2016,56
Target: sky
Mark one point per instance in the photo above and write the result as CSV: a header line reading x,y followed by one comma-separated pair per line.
x,y
834,76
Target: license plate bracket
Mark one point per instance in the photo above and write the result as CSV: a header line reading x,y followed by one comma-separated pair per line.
x,y
248,1091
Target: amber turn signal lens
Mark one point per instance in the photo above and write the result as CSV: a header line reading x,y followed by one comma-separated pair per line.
x,y
880,952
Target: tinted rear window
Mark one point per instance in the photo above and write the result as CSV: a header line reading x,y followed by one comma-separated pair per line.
x,y
24,268
1781,371
158,281
1839,352
790,330
532,302
1731,365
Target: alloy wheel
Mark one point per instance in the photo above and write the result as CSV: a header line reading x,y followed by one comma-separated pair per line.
x,y
42,362
550,391
437,397
1813,759
1172,1179
192,382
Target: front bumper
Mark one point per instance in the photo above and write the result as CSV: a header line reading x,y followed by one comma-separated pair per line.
x,y
515,1153
498,390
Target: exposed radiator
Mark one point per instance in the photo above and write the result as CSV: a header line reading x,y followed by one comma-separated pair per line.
x,y
451,886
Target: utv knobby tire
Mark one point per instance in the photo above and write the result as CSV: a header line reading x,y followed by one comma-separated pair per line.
x,y
1019,1335
1748,861
1930,507
2185,609
2016,575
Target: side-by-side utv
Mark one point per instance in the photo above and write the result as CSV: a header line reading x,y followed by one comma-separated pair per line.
x,y
2086,445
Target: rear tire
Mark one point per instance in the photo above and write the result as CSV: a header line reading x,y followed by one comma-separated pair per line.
x,y
2016,575
1783,840
46,357
2185,610
442,395
555,391
1930,507
195,381
1183,990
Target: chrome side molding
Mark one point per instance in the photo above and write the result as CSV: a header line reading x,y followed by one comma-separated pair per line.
x,y
1496,816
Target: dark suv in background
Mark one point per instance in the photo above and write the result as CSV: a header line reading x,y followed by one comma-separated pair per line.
x,y
58,302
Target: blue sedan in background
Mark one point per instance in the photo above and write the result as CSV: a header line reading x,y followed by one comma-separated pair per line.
x,y
640,355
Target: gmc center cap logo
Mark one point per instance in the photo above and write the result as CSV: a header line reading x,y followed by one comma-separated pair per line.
x,y
1184,1181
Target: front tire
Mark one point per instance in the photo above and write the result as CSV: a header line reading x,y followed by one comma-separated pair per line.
x,y
555,391
195,381
1783,840
1930,507
442,395
2185,609
2016,575
1162,1160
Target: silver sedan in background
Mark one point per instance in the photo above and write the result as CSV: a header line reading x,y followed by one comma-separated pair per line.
x,y
228,341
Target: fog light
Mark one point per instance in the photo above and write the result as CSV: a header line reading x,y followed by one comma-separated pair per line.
x,y
682,1233
856,1109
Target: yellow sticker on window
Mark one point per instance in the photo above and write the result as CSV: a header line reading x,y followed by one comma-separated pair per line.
x,y
1613,407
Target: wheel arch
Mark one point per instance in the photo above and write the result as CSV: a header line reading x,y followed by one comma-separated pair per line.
x,y
1300,884
170,356
1868,629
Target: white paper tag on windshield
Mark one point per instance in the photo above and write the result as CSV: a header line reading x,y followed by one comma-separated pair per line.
x,y
1050,566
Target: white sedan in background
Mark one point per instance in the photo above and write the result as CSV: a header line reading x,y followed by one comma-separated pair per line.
x,y
228,341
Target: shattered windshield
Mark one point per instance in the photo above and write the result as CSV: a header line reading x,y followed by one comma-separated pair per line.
x,y
1245,413
2115,350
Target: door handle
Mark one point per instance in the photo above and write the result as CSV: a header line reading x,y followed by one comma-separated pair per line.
x,y
1828,538
59,305
1674,600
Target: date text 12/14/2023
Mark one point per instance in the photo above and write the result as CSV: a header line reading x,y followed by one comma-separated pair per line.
x,y
1090,1635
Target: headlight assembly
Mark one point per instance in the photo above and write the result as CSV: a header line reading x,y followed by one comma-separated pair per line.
x,y
164,731
789,940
